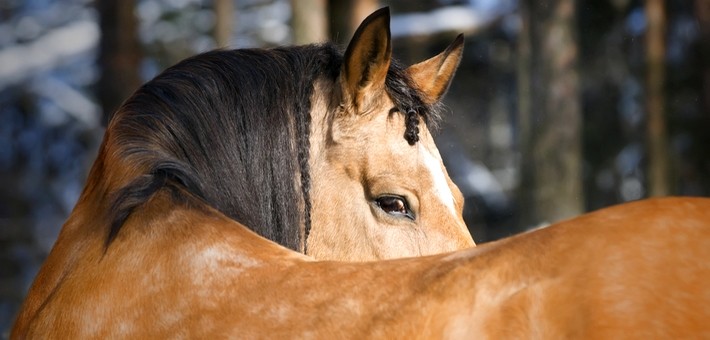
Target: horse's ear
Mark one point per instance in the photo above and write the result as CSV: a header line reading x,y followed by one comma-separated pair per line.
x,y
433,76
367,57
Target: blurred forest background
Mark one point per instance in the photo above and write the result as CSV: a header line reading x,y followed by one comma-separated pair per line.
x,y
559,106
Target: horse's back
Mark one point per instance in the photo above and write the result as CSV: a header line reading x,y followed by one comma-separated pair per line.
x,y
639,269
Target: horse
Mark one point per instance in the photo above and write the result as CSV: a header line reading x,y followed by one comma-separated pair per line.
x,y
326,153
177,265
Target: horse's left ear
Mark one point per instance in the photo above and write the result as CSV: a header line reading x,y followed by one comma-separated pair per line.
x,y
433,76
367,57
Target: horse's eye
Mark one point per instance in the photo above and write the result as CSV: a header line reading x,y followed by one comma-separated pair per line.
x,y
394,205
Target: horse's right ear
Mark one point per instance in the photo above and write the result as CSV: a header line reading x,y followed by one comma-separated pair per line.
x,y
367,58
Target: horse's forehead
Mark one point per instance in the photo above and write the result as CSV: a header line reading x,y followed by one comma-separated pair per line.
x,y
378,143
392,151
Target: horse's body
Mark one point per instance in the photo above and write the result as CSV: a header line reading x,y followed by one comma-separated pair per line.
x,y
160,243
638,270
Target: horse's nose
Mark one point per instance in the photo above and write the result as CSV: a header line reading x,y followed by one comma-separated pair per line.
x,y
454,236
461,235
464,239
467,241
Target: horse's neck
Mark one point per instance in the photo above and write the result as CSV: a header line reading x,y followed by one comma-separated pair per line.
x,y
81,234
162,233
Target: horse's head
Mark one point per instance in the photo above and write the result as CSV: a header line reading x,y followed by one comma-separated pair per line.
x,y
291,139
379,187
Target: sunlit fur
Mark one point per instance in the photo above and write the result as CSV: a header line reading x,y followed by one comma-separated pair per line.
x,y
169,262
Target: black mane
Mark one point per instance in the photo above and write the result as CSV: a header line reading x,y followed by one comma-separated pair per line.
x,y
232,128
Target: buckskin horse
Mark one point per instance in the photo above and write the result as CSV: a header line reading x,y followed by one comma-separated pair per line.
x,y
168,261
280,141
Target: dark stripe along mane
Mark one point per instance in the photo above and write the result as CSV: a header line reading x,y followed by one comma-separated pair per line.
x,y
232,128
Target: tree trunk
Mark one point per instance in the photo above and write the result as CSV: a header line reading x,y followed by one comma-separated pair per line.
x,y
119,54
224,14
524,129
550,113
346,15
657,137
702,12
309,21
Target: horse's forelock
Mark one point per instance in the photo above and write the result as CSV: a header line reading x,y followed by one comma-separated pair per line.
x,y
410,102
